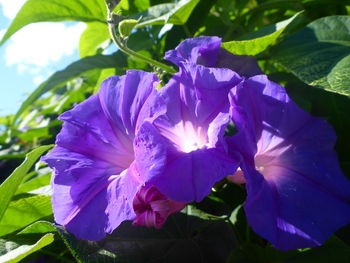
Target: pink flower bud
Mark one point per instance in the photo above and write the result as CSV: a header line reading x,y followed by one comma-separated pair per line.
x,y
152,208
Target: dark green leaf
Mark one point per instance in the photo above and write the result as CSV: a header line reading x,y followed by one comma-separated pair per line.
x,y
183,239
253,253
9,187
319,54
334,250
56,10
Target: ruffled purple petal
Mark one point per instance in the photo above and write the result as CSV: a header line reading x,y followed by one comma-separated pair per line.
x,y
291,211
87,131
122,99
196,96
90,197
200,50
182,151
190,176
297,195
206,51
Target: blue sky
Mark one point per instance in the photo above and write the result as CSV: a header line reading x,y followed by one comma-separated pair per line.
x,y
32,55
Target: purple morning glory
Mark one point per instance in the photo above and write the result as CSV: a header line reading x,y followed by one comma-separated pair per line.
x,y
182,149
184,143
95,178
297,194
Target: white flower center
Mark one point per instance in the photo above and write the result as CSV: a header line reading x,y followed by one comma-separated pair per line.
x,y
185,136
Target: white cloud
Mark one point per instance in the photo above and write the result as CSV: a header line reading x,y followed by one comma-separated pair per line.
x,y
38,79
43,43
37,47
11,7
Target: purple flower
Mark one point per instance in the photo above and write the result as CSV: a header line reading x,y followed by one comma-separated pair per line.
x,y
182,149
297,194
95,177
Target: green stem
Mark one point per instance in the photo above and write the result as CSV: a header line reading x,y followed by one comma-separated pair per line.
x,y
125,49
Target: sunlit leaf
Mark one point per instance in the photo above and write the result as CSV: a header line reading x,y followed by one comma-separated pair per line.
x,y
11,252
56,10
25,211
93,36
9,187
34,183
170,13
258,41
126,26
319,54
38,227
128,7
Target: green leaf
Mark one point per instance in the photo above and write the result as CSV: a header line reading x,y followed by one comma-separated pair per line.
x,y
334,250
25,211
182,239
194,211
319,54
93,36
176,14
129,7
9,187
260,40
252,252
126,26
234,215
111,4
32,133
38,227
73,70
56,10
11,252
34,184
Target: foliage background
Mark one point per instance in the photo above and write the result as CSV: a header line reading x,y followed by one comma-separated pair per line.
x,y
311,60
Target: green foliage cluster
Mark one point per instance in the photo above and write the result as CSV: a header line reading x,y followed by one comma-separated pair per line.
x,y
301,44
